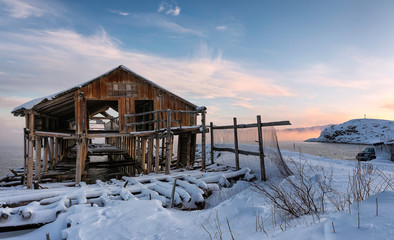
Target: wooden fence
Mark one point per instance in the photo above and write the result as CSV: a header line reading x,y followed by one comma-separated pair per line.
x,y
236,149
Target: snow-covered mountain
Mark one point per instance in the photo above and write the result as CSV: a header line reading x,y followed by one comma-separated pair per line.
x,y
359,131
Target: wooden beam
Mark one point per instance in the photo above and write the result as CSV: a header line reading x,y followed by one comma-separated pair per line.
x,y
203,143
31,152
253,125
236,151
212,144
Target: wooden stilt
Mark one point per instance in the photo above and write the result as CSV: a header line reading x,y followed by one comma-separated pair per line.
x,y
56,151
203,143
157,158
46,154
168,144
212,144
143,151
31,152
236,144
38,159
52,152
78,167
150,154
188,153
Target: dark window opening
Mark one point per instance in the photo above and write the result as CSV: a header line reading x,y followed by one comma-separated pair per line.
x,y
142,106
102,115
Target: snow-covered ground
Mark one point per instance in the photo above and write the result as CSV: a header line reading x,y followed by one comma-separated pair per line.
x,y
239,212
359,131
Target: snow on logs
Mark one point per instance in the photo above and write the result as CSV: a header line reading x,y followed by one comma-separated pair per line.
x,y
27,207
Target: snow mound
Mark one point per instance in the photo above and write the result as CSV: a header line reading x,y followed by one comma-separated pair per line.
x,y
358,131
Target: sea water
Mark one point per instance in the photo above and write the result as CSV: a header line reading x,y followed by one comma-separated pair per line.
x,y
10,157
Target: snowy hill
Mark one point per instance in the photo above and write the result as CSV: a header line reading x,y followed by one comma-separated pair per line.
x,y
359,131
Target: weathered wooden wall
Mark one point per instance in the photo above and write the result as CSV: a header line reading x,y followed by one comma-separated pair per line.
x,y
126,88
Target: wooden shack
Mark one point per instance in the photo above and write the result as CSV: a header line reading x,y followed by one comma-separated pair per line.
x,y
140,120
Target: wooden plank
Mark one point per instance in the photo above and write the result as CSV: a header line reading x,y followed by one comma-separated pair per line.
x,y
243,152
38,159
78,165
261,149
52,155
188,147
236,144
253,125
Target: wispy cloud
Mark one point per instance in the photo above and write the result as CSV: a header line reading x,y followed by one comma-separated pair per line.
x,y
122,13
155,20
169,9
221,28
22,9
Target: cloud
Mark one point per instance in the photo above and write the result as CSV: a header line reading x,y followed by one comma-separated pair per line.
x,y
169,9
154,20
221,28
59,59
22,9
119,12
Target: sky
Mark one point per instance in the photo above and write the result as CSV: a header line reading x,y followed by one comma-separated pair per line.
x,y
310,62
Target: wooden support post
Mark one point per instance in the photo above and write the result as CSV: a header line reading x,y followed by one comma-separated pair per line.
x,y
46,154
212,144
188,150
150,154
78,167
179,152
143,151
236,144
31,152
25,148
157,158
52,152
168,144
203,143
261,149
38,159
56,151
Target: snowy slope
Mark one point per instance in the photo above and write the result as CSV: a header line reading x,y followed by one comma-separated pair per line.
x,y
358,131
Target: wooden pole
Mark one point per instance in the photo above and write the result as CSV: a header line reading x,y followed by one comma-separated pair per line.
x,y
46,154
261,149
236,144
78,167
52,152
150,154
203,143
38,159
157,158
188,151
168,144
56,151
173,194
212,144
31,152
143,150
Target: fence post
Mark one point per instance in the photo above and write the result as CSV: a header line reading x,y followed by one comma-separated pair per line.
x,y
203,143
236,144
212,144
261,150
168,143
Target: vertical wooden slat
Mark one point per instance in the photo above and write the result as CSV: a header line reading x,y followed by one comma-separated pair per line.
x,y
188,149
261,150
52,152
78,167
56,151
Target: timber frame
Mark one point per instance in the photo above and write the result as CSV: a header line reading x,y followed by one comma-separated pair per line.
x,y
149,117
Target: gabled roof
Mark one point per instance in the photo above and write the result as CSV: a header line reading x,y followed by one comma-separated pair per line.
x,y
67,94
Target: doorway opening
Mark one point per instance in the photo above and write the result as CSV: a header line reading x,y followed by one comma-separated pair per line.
x,y
142,106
